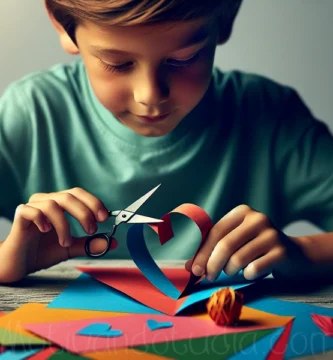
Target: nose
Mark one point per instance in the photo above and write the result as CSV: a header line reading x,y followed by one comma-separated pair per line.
x,y
151,89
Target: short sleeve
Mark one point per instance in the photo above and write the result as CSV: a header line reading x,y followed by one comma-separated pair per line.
x,y
13,136
304,164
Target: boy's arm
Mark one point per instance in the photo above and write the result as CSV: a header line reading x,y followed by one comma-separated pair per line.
x,y
318,249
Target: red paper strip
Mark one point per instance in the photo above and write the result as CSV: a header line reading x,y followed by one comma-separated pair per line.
x,y
279,349
325,323
44,354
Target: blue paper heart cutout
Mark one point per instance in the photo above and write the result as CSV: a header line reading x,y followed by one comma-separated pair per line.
x,y
155,325
100,330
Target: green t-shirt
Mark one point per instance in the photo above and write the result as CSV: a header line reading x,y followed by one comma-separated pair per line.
x,y
250,141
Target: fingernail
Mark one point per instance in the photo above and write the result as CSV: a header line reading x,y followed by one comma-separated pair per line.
x,y
92,228
67,242
47,227
102,215
210,277
197,270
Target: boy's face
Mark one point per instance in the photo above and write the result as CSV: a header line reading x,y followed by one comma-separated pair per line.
x,y
149,77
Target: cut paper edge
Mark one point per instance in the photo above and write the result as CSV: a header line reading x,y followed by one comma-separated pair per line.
x,y
280,347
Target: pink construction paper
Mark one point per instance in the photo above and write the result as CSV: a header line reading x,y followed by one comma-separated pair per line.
x,y
135,329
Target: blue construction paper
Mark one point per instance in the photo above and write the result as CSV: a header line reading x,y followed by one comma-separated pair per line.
x,y
141,256
260,349
18,354
305,337
156,325
86,293
100,330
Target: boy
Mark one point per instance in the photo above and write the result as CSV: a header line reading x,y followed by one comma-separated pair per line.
x,y
145,106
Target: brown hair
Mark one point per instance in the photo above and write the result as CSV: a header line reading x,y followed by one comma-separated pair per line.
x,y
69,13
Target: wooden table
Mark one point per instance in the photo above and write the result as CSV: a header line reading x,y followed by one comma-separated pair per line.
x,y
44,285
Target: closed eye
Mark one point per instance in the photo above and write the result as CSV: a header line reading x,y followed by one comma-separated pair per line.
x,y
170,62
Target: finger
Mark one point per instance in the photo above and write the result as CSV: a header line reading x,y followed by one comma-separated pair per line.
x,y
25,215
56,217
92,202
264,265
96,246
255,248
77,209
228,223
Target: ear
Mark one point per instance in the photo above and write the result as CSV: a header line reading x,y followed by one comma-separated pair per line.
x,y
66,42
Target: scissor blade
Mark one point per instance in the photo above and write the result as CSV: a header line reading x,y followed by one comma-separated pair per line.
x,y
139,219
137,204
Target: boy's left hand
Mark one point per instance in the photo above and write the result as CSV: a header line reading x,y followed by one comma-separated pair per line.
x,y
246,239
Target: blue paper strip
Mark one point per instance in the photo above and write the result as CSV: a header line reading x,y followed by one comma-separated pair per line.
x,y
305,337
141,256
18,354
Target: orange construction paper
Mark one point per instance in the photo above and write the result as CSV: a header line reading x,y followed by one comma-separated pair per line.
x,y
38,314
123,354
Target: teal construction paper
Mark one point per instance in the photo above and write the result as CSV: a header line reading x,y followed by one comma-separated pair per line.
x,y
140,254
18,354
305,337
260,349
86,293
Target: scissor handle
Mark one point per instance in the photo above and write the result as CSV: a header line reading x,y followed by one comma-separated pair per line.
x,y
105,236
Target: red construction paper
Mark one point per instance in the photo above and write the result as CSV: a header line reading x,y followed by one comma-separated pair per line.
x,y
133,283
135,331
44,354
280,346
325,323
2,349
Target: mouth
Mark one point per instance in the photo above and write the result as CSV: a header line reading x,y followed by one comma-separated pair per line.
x,y
153,119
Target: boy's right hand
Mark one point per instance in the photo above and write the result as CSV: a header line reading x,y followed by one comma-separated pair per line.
x,y
40,236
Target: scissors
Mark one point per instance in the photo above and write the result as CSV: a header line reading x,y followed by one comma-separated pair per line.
x,y
127,215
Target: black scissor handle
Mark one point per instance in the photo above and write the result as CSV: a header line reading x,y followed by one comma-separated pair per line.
x,y
105,236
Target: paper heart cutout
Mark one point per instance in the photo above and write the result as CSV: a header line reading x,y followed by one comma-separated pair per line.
x,y
141,256
155,325
99,330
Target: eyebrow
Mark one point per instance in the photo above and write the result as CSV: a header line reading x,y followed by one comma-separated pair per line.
x,y
197,37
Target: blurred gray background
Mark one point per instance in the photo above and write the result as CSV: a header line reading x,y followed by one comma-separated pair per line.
x,y
290,41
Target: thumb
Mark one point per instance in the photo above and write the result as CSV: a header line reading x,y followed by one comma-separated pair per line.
x,y
97,245
188,265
